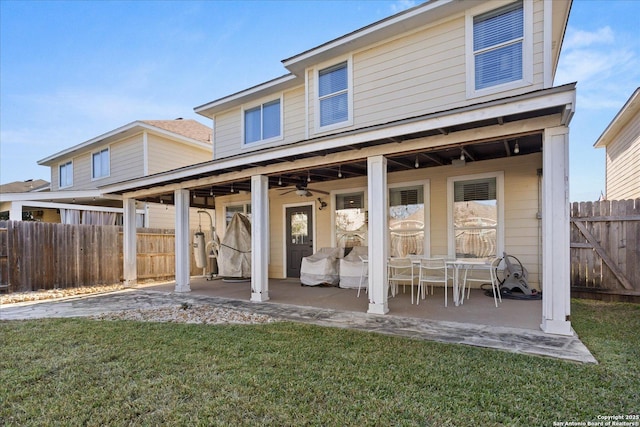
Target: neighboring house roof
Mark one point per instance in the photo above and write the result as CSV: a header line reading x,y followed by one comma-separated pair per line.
x,y
189,128
630,109
187,131
24,186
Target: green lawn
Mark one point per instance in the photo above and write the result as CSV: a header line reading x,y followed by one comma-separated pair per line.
x,y
88,372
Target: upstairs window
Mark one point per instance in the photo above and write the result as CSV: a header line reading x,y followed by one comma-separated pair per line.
x,y
100,164
263,122
333,95
499,52
65,174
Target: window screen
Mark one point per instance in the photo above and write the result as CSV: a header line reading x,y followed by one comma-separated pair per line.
x,y
497,45
333,88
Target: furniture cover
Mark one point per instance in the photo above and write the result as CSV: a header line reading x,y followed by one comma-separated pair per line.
x,y
321,267
351,268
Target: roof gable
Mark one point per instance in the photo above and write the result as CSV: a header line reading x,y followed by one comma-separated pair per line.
x,y
187,131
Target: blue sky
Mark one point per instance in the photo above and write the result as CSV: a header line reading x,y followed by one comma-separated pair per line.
x,y
72,70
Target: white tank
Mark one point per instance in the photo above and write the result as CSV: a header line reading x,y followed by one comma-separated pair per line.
x,y
199,250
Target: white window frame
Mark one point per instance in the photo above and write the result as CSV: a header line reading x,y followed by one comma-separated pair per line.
x,y
100,153
316,74
64,165
499,176
244,204
333,195
527,51
261,141
426,191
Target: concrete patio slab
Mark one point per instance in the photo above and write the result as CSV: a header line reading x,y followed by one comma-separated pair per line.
x,y
517,340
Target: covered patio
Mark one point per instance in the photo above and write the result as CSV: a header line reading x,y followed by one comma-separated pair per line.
x,y
517,148
478,309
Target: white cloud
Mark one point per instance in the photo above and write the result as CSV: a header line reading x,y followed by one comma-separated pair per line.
x,y
578,38
603,63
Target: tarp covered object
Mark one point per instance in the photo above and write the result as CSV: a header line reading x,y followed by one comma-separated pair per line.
x,y
321,267
234,256
351,268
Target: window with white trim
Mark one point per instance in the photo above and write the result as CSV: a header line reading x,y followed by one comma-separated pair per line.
x,y
100,165
350,220
406,221
262,123
476,216
65,174
333,95
499,48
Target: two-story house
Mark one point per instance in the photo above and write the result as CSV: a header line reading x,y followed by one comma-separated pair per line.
x,y
138,149
621,140
434,131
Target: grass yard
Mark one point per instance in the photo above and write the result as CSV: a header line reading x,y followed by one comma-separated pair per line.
x,y
88,372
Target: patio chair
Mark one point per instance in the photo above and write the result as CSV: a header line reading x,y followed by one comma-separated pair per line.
x,y
492,279
432,270
400,273
321,268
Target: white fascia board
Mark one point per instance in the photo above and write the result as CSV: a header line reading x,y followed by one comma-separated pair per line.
x,y
272,86
561,96
58,195
630,109
118,134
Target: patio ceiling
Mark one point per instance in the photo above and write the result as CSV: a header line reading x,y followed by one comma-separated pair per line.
x,y
203,197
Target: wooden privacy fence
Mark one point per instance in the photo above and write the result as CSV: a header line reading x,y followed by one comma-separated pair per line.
x,y
38,255
605,252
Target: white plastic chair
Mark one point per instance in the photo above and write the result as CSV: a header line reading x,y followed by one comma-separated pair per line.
x,y
432,270
493,278
400,273
364,274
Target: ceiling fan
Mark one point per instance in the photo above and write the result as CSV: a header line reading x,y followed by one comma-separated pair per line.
x,y
302,191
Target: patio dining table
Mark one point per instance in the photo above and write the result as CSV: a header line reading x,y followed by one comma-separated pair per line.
x,y
464,264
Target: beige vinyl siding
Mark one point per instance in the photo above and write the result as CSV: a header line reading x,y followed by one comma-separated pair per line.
x,y
521,227
538,43
81,173
410,76
228,125
165,154
422,72
127,160
228,133
294,114
623,163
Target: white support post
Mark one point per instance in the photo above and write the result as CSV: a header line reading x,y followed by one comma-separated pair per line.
x,y
15,211
259,238
378,235
556,279
183,245
129,242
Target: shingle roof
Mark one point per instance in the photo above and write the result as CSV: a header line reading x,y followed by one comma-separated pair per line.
x,y
189,128
23,186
